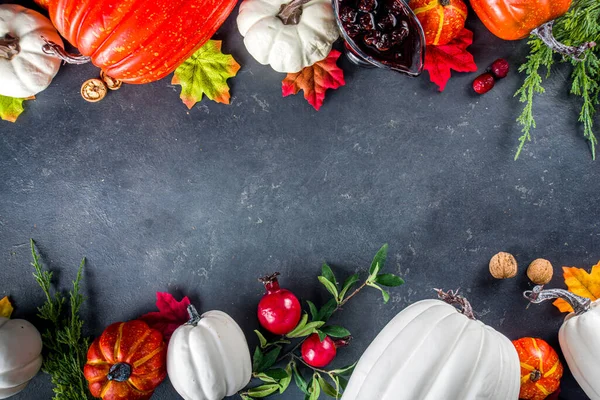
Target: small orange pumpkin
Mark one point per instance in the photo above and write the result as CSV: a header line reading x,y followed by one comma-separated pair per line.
x,y
127,362
541,369
442,20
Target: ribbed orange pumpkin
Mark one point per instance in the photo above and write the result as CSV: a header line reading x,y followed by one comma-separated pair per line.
x,y
541,369
138,41
442,20
127,362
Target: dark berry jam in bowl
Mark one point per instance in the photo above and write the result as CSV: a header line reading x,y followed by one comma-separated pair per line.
x,y
381,33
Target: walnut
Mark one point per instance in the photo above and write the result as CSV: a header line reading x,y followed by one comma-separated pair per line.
x,y
540,271
503,265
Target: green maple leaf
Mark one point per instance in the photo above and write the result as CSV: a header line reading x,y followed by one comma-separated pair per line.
x,y
206,73
11,108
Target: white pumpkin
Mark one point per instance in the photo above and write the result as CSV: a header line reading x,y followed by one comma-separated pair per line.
x,y
291,47
208,357
579,337
431,351
25,69
20,355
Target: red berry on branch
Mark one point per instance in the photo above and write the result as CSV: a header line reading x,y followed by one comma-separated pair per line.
x,y
483,83
279,311
500,68
316,353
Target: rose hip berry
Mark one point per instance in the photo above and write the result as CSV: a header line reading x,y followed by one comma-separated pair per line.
x,y
483,83
316,353
279,310
499,68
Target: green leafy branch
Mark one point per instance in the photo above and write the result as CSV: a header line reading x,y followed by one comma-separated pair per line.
x,y
330,382
580,25
64,343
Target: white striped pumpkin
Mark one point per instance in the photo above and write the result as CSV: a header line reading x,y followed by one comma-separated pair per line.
x,y
431,351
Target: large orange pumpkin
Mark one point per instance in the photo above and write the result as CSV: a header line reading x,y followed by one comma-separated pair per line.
x,y
127,362
442,20
515,19
541,369
138,41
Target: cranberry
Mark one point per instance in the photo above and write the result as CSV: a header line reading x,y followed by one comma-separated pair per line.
x,y
387,22
384,43
396,6
399,35
279,310
348,15
483,83
367,5
316,353
371,38
499,68
351,29
367,22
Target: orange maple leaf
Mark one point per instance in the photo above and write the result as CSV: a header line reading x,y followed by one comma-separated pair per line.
x,y
582,283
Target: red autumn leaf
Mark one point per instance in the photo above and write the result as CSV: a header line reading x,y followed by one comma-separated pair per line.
x,y
171,314
439,60
314,80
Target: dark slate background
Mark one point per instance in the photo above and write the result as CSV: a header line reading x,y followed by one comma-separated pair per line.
x,y
202,202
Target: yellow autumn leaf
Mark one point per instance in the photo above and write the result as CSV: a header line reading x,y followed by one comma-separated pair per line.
x,y
582,283
6,308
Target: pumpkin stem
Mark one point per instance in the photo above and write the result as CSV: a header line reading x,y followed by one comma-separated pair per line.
x,y
544,32
291,12
119,372
535,375
444,3
9,46
537,295
194,315
453,298
54,49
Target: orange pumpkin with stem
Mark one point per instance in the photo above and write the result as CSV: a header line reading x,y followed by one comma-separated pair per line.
x,y
541,369
127,362
442,20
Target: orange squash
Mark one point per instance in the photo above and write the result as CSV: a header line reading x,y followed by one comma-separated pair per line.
x,y
442,20
541,369
127,362
515,19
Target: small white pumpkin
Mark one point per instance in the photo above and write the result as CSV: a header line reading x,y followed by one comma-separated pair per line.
x,y
25,69
20,355
288,47
579,337
431,351
208,357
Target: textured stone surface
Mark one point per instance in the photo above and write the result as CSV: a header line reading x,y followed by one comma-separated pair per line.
x,y
202,202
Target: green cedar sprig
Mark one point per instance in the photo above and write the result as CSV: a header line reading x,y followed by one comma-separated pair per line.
x,y
65,346
580,25
267,355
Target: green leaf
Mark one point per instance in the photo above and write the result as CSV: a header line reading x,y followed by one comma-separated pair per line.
x,y
327,310
389,280
270,358
329,286
245,397
327,388
263,390
261,338
300,325
335,331
384,293
309,328
285,382
272,375
378,260
257,359
11,108
348,283
313,310
299,380
327,273
322,335
343,382
314,389
206,73
345,371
